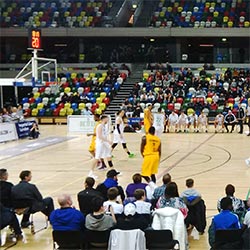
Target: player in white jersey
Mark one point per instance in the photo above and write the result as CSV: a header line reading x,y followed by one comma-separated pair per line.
x,y
103,145
192,121
182,122
173,121
202,122
159,122
119,133
219,122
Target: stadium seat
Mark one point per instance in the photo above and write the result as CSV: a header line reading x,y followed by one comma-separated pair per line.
x,y
34,112
62,112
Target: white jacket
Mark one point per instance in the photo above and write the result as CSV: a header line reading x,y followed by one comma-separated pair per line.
x,y
127,240
172,219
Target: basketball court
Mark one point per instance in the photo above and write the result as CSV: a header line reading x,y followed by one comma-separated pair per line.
x,y
60,162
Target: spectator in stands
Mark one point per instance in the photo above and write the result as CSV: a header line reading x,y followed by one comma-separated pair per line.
x,y
67,218
230,120
20,112
215,98
138,110
14,115
8,218
125,67
225,220
131,220
143,98
137,184
190,193
159,191
98,220
65,98
34,131
150,97
5,188
142,207
25,194
171,199
85,196
111,181
113,200
238,204
6,115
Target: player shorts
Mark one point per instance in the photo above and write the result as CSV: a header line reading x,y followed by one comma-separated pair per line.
x,y
92,146
117,139
150,165
103,150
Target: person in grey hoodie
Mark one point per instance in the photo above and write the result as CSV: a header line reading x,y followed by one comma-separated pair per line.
x,y
98,220
190,193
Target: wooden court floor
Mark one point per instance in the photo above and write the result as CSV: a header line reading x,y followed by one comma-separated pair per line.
x,y
212,160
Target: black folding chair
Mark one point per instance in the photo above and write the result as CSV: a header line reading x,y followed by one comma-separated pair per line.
x,y
228,239
68,240
160,239
21,211
97,239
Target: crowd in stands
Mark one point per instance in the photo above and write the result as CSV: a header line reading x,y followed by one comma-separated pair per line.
x,y
108,207
196,14
12,114
53,13
193,93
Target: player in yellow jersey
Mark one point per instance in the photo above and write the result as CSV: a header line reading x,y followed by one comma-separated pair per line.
x,y
151,153
148,117
92,146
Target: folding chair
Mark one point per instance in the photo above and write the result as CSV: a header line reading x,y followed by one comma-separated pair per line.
x,y
160,239
97,239
21,211
228,239
68,240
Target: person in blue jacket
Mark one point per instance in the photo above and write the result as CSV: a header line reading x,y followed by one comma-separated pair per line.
x,y
67,218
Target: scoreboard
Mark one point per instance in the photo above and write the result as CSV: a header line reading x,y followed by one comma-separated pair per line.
x,y
35,39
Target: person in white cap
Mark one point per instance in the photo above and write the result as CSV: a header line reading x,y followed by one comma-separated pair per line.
x,y
132,220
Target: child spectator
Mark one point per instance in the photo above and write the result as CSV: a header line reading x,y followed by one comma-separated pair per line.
x,y
142,207
113,202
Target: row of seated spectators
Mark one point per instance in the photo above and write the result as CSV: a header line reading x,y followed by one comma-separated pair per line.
x,y
142,206
204,89
196,13
57,13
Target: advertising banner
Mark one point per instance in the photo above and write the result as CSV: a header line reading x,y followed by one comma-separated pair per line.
x,y
23,128
7,132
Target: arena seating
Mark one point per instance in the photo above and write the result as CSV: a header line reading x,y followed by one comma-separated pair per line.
x,y
192,92
201,13
57,13
77,91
